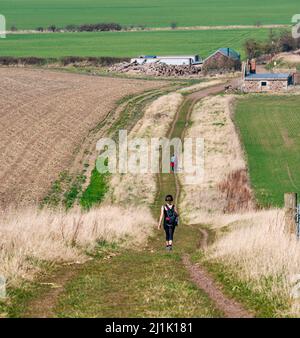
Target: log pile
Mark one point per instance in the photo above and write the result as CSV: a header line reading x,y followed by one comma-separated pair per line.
x,y
156,69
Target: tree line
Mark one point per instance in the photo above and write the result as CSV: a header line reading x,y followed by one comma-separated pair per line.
x,y
276,43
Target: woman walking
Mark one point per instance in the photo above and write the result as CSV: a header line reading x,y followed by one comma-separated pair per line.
x,y
169,215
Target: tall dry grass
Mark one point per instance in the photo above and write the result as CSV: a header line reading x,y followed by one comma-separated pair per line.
x,y
140,189
31,235
258,251
251,244
223,156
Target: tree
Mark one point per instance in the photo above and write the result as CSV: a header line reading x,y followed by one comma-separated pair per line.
x,y
52,28
286,42
253,49
173,25
258,23
72,28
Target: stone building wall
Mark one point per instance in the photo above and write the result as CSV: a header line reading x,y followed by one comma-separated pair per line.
x,y
254,86
221,62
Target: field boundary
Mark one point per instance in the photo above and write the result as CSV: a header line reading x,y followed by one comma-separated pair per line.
x,y
158,29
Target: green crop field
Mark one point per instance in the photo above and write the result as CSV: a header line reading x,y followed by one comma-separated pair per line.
x,y
155,13
126,44
270,131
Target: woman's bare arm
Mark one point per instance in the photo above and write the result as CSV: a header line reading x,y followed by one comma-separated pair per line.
x,y
161,217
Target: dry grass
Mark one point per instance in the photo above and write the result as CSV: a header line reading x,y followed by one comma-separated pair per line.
x,y
238,193
141,188
201,85
31,235
211,120
257,249
252,243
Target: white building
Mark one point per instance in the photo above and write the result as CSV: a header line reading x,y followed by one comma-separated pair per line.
x,y
169,60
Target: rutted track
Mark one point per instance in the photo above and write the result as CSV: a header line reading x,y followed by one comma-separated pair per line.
x,y
199,276
141,273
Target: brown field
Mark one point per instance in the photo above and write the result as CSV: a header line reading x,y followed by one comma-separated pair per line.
x,y
45,116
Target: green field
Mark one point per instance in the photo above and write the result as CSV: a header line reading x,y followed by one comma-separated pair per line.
x,y
270,131
155,13
126,44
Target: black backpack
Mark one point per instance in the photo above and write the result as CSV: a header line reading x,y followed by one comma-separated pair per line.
x,y
172,217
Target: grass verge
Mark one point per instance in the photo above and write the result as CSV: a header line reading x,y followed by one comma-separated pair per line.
x,y
244,292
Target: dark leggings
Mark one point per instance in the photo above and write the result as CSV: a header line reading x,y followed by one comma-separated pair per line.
x,y
169,232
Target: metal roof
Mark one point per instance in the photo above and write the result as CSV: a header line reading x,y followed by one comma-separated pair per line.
x,y
230,53
268,76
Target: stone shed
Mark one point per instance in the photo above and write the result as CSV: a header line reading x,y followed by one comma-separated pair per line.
x,y
270,82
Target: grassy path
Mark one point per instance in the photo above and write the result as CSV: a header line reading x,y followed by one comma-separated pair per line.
x,y
148,282
145,283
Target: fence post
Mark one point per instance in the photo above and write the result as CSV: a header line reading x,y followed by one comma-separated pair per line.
x,y
290,209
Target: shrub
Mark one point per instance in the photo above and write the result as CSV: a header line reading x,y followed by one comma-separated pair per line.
x,y
100,27
52,28
284,42
72,28
173,25
30,61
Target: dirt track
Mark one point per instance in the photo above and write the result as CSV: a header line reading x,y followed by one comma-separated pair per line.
x,y
198,274
45,306
44,117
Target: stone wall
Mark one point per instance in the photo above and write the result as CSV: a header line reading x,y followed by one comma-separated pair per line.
x,y
220,62
272,86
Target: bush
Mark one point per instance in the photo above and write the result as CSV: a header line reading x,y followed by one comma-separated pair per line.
x,y
72,28
92,61
253,48
99,27
31,61
9,60
173,25
40,29
52,28
284,42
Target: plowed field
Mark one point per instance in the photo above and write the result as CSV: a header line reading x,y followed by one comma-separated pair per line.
x,y
44,117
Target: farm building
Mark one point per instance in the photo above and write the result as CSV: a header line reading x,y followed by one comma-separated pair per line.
x,y
223,58
169,60
269,82
265,82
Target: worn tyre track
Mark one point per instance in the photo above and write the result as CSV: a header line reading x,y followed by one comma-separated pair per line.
x,y
199,275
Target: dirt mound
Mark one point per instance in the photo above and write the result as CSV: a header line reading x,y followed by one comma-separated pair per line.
x,y
156,69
